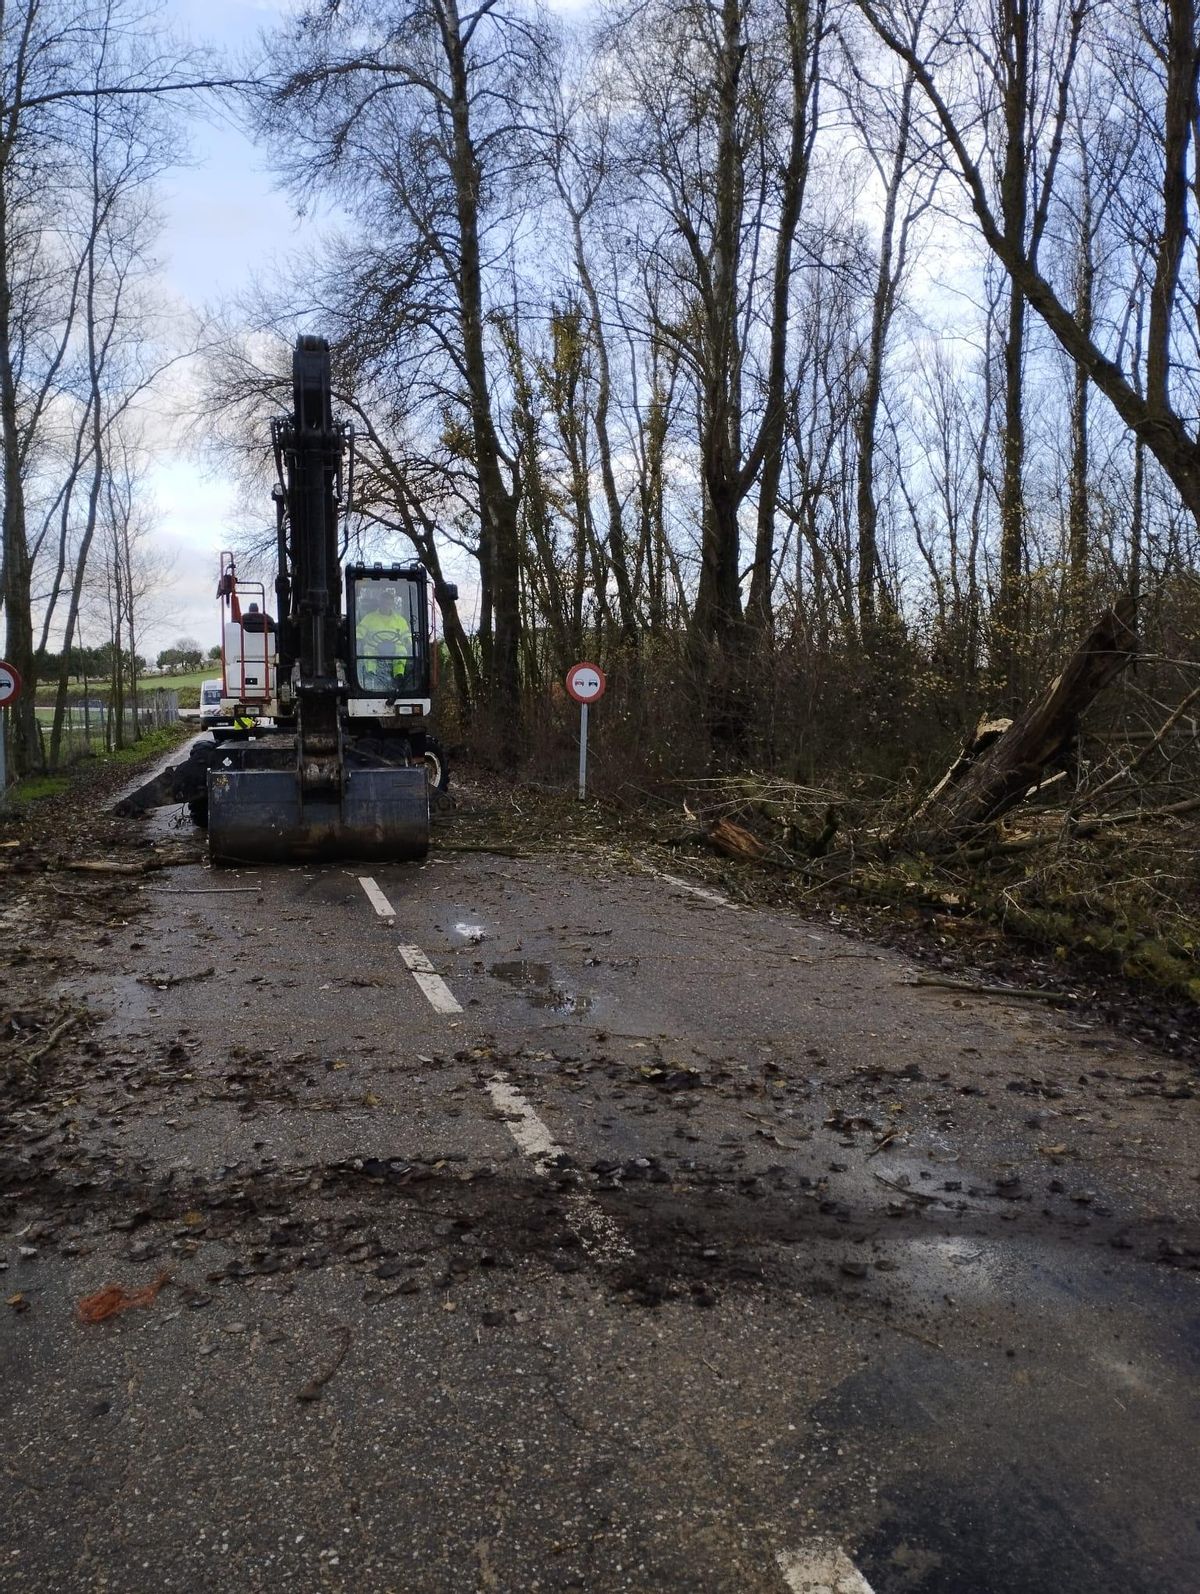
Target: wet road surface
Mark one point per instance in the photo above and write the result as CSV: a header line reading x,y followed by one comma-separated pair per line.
x,y
540,1224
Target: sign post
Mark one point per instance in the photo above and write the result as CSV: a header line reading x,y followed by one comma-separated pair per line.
x,y
585,683
10,690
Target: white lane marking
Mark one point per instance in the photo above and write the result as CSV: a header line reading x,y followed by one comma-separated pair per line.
x,y
598,1234
416,960
437,992
526,1128
697,891
821,1569
376,898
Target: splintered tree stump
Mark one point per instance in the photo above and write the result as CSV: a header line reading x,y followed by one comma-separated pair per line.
x,y
984,735
998,776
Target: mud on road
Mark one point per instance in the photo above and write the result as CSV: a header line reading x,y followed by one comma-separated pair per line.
x,y
543,1222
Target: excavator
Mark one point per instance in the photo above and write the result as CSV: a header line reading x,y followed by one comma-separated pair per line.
x,y
331,755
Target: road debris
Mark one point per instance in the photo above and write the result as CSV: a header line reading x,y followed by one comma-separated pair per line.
x,y
1026,993
164,982
114,1299
111,866
312,1390
56,1034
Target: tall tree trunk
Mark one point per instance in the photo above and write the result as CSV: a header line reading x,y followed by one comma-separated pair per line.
x,y
1007,625
118,661
1137,520
802,57
500,535
882,308
1078,539
617,547
125,564
717,617
25,743
97,351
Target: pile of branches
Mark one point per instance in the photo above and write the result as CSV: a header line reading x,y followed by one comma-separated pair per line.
x,y
1075,825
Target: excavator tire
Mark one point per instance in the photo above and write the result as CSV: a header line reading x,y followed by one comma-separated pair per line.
x,y
437,767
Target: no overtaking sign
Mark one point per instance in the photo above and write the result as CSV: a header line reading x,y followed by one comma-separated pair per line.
x,y
10,690
586,684
10,684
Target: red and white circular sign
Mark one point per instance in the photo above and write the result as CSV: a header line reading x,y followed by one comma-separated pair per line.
x,y
586,683
10,684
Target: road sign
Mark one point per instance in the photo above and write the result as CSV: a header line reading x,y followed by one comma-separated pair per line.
x,y
586,683
10,690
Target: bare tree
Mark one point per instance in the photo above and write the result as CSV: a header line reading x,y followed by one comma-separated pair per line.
x,y
129,147
576,132
408,108
1159,91
720,175
66,67
883,118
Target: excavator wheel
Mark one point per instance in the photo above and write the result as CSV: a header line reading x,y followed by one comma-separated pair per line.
x,y
437,768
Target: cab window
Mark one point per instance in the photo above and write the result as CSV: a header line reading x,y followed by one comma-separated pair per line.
x,y
386,632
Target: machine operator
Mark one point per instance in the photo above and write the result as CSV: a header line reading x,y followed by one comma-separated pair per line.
x,y
383,639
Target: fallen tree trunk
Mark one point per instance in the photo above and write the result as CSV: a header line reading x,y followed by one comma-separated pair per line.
x,y
1000,776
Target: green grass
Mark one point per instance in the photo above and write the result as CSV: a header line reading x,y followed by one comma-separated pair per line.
x,y
147,683
153,743
188,687
37,788
172,683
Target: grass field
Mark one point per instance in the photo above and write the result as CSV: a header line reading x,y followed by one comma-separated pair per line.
x,y
175,683
147,683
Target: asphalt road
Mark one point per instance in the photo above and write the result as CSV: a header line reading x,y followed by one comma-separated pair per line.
x,y
547,1224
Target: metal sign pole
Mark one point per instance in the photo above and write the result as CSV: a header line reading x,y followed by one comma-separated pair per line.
x,y
585,683
3,751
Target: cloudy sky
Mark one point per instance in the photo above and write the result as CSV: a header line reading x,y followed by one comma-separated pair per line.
x,y
225,220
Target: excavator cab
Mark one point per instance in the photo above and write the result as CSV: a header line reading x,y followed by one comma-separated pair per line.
x,y
387,621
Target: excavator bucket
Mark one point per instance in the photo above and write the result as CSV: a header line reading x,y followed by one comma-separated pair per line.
x,y
262,816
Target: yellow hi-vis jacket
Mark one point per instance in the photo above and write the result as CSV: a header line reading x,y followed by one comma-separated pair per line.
x,y
382,637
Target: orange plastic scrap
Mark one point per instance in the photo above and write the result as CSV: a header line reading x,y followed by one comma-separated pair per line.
x,y
115,1298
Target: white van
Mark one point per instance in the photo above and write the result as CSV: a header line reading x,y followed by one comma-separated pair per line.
x,y
210,705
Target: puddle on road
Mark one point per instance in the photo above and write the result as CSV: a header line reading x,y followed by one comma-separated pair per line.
x,y
537,985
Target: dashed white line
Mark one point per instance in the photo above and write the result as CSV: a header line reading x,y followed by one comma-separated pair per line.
x,y
526,1128
437,992
821,1569
702,892
599,1236
376,898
